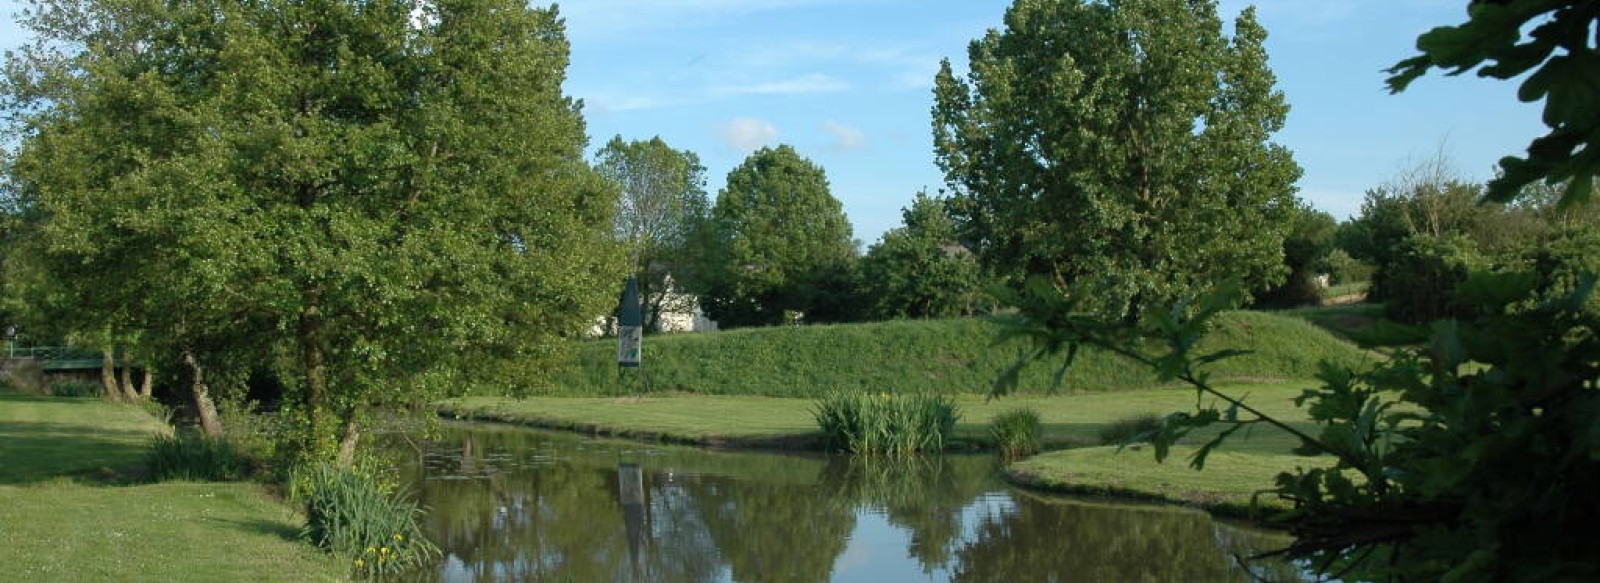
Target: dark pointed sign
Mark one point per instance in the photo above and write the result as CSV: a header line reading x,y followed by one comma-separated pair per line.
x,y
630,326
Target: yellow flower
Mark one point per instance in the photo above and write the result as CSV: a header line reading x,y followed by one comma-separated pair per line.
x,y
371,550
384,550
360,563
398,537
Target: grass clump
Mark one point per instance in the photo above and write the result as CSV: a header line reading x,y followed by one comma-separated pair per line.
x,y
354,516
1130,429
196,458
885,423
1016,432
76,389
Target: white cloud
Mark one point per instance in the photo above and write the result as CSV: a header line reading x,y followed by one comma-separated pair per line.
x,y
813,83
845,137
747,133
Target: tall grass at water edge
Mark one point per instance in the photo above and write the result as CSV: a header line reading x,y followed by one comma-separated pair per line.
x,y
1016,433
885,423
195,458
352,515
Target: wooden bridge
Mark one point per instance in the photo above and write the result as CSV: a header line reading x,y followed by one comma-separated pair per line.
x,y
57,358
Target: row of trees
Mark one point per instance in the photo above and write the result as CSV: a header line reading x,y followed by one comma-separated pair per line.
x,y
776,246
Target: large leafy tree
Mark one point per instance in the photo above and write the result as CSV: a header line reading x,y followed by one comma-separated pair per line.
x,y
777,242
919,270
663,199
1123,146
1475,457
378,199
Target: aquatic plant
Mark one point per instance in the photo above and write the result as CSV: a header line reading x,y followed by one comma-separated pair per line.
x,y
885,423
351,514
1016,432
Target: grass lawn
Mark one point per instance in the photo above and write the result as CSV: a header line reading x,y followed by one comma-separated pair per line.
x,y
1231,478
68,514
1074,419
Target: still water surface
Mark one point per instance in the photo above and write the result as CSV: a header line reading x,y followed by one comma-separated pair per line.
x,y
514,504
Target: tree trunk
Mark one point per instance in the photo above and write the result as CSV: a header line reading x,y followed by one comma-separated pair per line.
x,y
108,373
126,380
349,440
316,365
147,381
203,406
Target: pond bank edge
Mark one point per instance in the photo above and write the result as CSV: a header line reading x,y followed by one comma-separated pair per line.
x,y
1209,502
1203,501
783,442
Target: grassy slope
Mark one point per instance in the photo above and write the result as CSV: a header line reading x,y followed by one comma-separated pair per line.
x,y
62,521
952,356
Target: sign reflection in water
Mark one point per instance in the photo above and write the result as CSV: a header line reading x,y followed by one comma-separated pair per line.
x,y
509,504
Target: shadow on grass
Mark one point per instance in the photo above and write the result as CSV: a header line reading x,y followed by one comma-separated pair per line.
x,y
281,530
41,451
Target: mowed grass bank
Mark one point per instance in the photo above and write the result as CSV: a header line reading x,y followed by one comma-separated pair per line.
x,y
69,514
1069,420
957,356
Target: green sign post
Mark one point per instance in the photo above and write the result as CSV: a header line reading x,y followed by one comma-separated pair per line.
x,y
630,326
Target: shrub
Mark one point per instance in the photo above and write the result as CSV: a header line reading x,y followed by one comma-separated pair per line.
x,y
76,389
1130,429
1419,284
351,514
1016,433
196,458
884,423
1342,268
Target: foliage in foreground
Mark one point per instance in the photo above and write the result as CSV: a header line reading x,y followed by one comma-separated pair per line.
x,y
884,423
196,458
1472,459
352,515
1016,433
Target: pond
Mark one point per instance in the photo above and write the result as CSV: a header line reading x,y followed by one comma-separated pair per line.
x,y
515,504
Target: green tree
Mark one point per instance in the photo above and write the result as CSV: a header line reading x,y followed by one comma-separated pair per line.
x,y
1120,145
919,270
384,202
663,199
1472,458
1305,251
777,242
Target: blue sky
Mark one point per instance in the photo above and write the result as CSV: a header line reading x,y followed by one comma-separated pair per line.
x,y
848,84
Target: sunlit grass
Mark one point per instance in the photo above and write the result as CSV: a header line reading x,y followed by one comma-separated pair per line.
x,y
66,515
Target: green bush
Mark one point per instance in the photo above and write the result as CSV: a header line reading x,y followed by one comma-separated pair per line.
x,y
1419,284
1016,432
1344,269
195,458
351,514
76,389
885,423
1130,429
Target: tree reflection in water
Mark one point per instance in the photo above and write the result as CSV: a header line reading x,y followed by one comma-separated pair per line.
x,y
509,504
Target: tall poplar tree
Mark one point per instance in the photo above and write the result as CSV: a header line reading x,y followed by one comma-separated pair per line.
x,y
379,199
1119,146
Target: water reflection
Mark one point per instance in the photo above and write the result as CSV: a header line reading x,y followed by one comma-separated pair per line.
x,y
510,504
